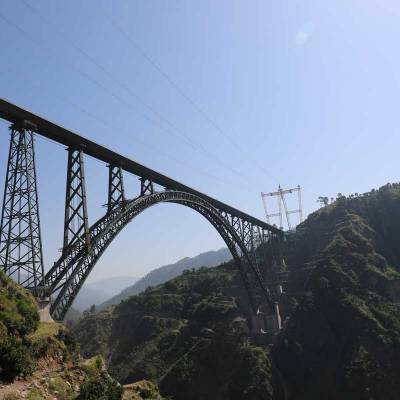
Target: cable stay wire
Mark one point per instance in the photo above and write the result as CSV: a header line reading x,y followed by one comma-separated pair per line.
x,y
173,129
115,127
200,110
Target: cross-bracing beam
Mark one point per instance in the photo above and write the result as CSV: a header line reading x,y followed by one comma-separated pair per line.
x,y
116,189
76,225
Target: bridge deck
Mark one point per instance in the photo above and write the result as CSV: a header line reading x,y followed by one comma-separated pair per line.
x,y
43,127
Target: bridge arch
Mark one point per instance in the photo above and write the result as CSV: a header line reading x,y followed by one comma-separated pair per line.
x,y
75,266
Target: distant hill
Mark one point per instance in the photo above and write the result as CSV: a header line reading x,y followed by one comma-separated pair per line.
x,y
170,271
72,316
99,291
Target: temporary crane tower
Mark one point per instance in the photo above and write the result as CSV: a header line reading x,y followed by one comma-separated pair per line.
x,y
281,193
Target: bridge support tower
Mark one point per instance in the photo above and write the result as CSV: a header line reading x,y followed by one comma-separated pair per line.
x,y
21,255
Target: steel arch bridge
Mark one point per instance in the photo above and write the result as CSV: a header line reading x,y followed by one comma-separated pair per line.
x,y
20,241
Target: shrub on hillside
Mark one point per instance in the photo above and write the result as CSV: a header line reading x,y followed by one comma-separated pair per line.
x,y
101,387
18,311
15,359
18,318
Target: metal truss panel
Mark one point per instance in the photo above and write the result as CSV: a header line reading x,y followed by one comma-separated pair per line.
x,y
21,254
76,226
72,269
146,186
116,190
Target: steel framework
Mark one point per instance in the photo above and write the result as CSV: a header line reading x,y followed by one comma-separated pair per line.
x,y
281,193
116,189
146,186
246,237
76,226
69,273
20,240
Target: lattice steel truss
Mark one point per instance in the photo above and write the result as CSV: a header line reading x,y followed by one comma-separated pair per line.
x,y
242,238
280,194
76,226
146,186
116,190
21,255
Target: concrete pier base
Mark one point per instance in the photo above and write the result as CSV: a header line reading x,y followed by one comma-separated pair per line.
x,y
266,326
44,309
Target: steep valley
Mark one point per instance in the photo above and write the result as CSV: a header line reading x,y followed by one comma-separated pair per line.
x,y
341,340
189,338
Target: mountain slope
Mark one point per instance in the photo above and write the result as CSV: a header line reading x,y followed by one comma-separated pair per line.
x,y
170,271
18,318
185,336
341,340
41,360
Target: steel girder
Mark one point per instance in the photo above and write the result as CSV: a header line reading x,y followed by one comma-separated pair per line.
x,y
20,239
70,272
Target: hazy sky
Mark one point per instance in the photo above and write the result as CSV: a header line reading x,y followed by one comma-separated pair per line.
x,y
229,97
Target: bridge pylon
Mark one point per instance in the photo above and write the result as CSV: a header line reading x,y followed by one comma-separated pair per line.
x,y
76,225
21,255
116,189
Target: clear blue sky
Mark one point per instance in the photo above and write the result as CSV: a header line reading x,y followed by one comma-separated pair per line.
x,y
308,91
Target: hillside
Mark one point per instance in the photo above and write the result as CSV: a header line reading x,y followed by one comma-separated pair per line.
x,y
41,360
163,333
170,271
341,340
18,319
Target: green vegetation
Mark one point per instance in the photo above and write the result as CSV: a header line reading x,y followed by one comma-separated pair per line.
x,y
18,318
180,335
59,388
34,394
168,272
100,387
18,311
142,390
46,350
46,330
342,339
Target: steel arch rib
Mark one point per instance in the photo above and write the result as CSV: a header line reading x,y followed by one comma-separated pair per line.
x,y
73,268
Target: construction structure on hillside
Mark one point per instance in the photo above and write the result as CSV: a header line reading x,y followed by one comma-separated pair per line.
x,y
283,207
